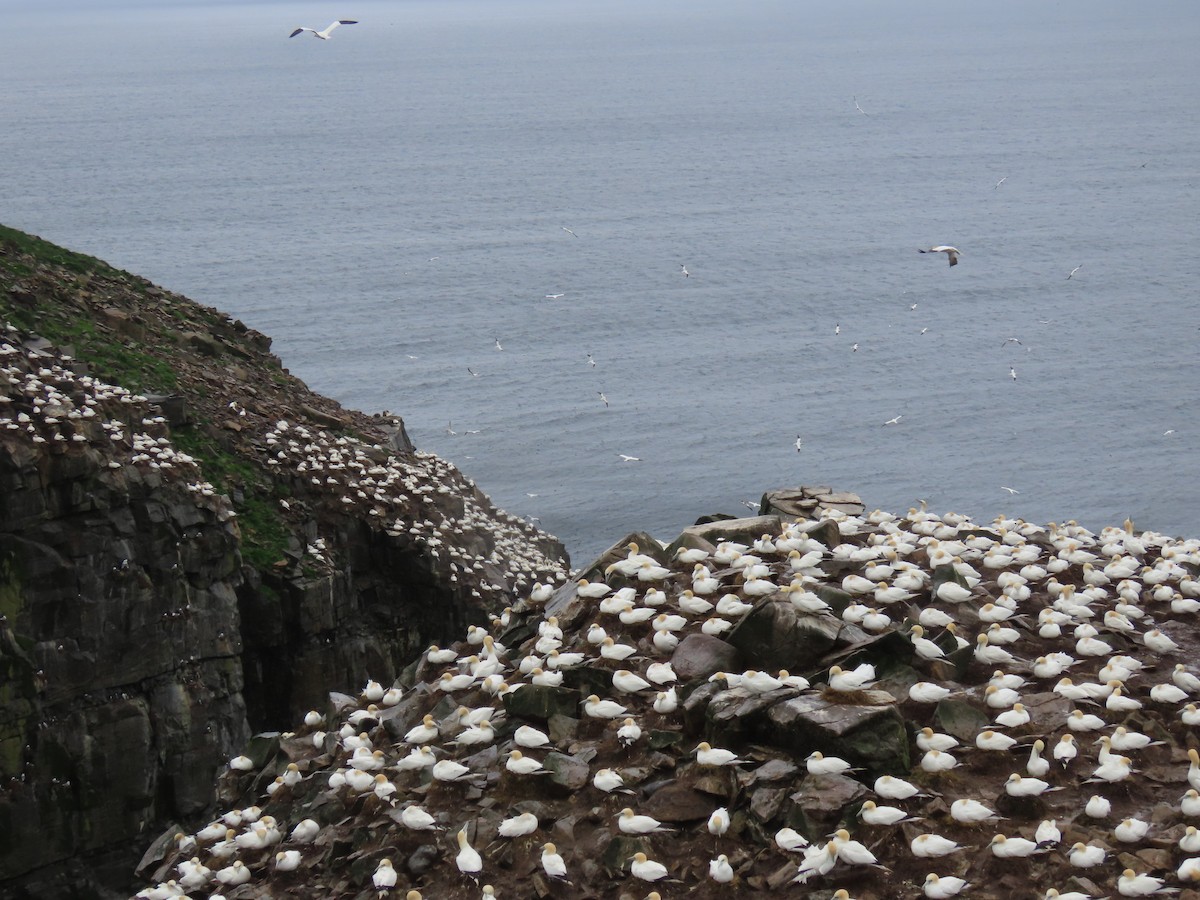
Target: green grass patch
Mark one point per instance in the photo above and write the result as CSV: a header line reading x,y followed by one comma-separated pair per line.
x,y
52,254
265,536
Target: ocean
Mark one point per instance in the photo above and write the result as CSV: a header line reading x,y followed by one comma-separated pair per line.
x,y
447,178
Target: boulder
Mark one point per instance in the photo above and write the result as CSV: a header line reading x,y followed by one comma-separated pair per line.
x,y
539,702
700,655
678,802
870,736
824,802
777,635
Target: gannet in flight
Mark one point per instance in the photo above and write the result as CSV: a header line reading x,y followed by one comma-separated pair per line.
x,y
951,252
324,35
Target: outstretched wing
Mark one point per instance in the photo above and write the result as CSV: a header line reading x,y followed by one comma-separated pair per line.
x,y
299,30
953,257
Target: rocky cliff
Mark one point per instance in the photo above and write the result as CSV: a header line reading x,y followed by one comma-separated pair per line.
x,y
194,547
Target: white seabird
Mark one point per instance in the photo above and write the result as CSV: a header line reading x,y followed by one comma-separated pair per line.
x,y
952,253
325,34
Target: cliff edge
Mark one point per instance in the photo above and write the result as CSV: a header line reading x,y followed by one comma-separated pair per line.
x,y
194,547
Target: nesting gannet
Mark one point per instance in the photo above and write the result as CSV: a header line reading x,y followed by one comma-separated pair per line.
x,y
894,788
1131,884
518,826
531,738
819,764
971,812
1131,830
602,709
790,840
858,679
1047,832
931,845
468,859
707,755
626,682
417,819
873,814
326,32
1004,847
940,888
952,253
718,822
647,869
719,870
928,739
385,876
552,862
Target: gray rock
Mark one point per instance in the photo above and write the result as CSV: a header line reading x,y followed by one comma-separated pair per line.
x,y
678,802
540,702
700,655
777,635
826,801
803,502
959,719
567,772
742,531
873,737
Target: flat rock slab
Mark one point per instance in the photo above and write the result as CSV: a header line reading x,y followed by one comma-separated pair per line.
x,y
744,531
802,502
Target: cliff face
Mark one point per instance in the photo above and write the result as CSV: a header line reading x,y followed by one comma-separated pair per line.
x,y
185,565
120,675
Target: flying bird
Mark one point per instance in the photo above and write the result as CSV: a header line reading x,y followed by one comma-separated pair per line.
x,y
951,252
627,458
1012,373
602,397
859,108
324,35
684,271
1011,341
895,421
474,374
554,296
1000,182
591,362
799,443
1010,490
568,231
1073,271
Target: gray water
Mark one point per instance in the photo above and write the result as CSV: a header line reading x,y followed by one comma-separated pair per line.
x,y
389,203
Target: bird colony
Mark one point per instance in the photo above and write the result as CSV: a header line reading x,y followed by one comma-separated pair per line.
x,y
421,500
418,499
1044,674
47,404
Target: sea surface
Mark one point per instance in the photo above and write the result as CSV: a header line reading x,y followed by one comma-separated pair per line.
x,y
394,205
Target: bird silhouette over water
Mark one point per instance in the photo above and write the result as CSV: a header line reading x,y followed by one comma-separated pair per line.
x,y
327,32
951,252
